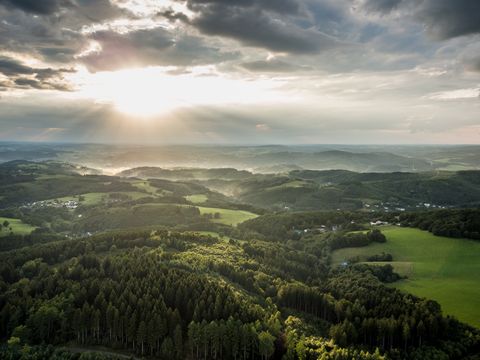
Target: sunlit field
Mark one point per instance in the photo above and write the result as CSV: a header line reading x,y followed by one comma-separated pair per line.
x,y
439,268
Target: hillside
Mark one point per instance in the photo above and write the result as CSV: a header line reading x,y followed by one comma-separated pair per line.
x,y
333,189
328,190
447,275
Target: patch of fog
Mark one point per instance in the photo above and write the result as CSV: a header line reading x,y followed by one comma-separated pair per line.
x,y
114,170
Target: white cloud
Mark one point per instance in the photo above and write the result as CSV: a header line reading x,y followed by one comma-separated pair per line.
x,y
456,94
262,127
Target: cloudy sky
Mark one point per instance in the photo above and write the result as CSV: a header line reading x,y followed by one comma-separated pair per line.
x,y
240,71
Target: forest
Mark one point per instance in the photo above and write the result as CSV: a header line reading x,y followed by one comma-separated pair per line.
x,y
95,267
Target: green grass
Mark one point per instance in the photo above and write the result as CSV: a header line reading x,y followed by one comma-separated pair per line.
x,y
90,198
444,269
228,217
290,184
98,198
197,199
18,227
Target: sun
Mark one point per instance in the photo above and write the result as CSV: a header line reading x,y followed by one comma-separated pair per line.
x,y
135,92
144,101
151,91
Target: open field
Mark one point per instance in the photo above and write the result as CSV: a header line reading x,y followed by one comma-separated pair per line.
x,y
444,269
90,199
290,184
228,217
18,227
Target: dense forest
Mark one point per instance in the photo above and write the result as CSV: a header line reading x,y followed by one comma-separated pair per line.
x,y
157,294
100,267
452,223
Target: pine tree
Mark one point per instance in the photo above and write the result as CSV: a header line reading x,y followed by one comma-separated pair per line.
x,y
142,335
167,349
178,341
266,344
405,334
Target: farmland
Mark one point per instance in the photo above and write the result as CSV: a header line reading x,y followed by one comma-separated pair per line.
x,y
438,268
15,226
228,217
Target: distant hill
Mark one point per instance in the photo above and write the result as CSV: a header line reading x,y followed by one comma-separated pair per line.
x,y
339,189
336,159
260,159
185,174
333,189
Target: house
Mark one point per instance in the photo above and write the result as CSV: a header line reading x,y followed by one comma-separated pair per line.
x,y
378,223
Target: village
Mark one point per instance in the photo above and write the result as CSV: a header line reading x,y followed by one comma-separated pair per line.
x,y
398,207
55,203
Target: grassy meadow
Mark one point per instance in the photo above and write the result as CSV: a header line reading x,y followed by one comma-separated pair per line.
x,y
444,269
17,227
227,216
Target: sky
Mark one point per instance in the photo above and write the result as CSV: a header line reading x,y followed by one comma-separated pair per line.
x,y
240,71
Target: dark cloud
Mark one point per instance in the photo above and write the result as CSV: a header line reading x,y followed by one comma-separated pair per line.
x,y
444,19
173,16
93,10
39,7
60,54
25,83
86,12
151,47
382,6
10,67
277,25
273,66
255,27
280,6
55,37
450,18
26,77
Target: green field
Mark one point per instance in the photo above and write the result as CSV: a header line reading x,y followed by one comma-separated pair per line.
x,y
197,199
90,199
444,269
227,216
290,184
18,227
